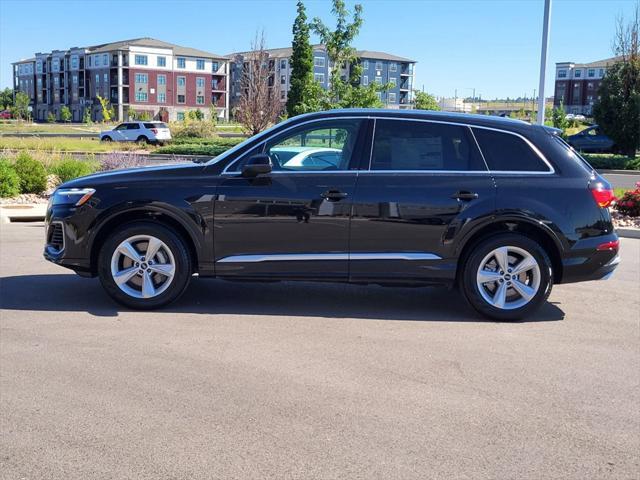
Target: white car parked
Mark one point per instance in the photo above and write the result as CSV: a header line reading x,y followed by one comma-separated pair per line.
x,y
143,132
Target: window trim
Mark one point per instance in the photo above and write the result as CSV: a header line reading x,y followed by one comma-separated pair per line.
x,y
261,141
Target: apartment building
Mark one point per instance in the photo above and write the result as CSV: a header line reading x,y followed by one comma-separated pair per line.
x,y
379,67
577,84
142,74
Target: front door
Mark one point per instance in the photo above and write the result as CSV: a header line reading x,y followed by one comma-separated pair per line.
x,y
423,180
294,221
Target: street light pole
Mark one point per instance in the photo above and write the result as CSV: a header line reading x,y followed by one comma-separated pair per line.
x,y
543,59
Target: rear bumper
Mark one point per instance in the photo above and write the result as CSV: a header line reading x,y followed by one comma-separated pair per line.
x,y
586,263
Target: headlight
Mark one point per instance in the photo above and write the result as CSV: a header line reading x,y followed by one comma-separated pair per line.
x,y
72,196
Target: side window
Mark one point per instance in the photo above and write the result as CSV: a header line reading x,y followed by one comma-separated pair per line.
x,y
324,146
410,145
132,126
508,153
122,126
149,125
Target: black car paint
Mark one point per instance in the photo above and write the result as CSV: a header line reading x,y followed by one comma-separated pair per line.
x,y
221,214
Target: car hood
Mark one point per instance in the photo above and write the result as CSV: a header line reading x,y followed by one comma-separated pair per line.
x,y
116,177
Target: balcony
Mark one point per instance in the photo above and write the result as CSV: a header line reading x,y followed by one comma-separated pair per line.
x,y
406,70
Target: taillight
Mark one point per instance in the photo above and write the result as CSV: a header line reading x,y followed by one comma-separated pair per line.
x,y
609,246
155,131
603,196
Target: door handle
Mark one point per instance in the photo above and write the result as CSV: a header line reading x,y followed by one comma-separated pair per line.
x,y
334,195
464,195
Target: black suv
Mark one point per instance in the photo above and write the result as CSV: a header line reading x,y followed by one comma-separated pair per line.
x,y
500,208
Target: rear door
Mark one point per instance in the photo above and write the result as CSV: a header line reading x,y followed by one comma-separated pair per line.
x,y
133,131
423,180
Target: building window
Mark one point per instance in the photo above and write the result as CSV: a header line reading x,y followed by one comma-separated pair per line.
x,y
214,66
141,60
577,73
162,79
393,81
378,65
283,64
591,72
319,77
182,63
562,74
141,96
181,99
180,116
162,98
55,80
365,64
105,59
365,80
393,67
602,72
590,85
200,82
214,83
200,99
106,78
75,80
318,61
56,65
74,62
283,94
161,61
39,67
199,64
379,80
142,78
283,79
392,97
182,81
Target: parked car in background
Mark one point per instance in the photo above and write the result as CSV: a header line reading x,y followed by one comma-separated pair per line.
x,y
143,132
591,140
498,208
5,114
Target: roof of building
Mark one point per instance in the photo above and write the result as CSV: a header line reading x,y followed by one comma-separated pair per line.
x,y
154,43
598,63
24,60
287,52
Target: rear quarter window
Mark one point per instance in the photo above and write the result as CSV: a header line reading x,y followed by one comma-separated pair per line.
x,y
508,153
150,125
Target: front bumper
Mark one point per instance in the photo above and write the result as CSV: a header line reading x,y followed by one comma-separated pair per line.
x,y
69,251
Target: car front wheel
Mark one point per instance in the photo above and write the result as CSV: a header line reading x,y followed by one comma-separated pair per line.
x,y
106,138
144,266
507,277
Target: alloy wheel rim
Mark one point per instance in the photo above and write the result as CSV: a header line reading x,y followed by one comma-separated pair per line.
x,y
508,277
142,266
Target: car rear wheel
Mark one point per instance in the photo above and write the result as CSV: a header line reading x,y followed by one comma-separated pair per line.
x,y
507,277
142,139
144,266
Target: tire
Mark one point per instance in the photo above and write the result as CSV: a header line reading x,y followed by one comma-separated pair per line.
x,y
106,138
143,285
142,139
519,302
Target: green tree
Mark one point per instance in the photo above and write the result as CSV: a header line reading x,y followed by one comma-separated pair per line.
x,y
20,109
304,93
345,92
6,99
65,114
559,118
426,101
618,110
51,118
108,113
86,116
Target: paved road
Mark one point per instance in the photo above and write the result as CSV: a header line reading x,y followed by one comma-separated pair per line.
x,y
619,180
312,381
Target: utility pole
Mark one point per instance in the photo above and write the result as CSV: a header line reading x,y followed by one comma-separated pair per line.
x,y
543,59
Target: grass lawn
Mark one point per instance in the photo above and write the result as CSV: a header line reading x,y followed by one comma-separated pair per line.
x,y
63,144
23,127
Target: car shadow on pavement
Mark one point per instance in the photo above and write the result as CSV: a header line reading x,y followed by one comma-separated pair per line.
x,y
218,297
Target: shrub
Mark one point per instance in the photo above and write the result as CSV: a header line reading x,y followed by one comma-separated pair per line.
x,y
193,129
117,160
51,118
33,176
69,168
629,203
194,149
604,161
9,180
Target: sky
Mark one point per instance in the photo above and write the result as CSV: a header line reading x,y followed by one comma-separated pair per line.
x,y
460,45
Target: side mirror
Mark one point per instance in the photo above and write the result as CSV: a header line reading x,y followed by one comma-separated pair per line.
x,y
257,165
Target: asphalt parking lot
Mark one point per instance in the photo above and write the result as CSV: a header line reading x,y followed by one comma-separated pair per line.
x,y
312,381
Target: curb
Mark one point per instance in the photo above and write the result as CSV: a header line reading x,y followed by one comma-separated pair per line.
x,y
619,172
29,212
628,232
